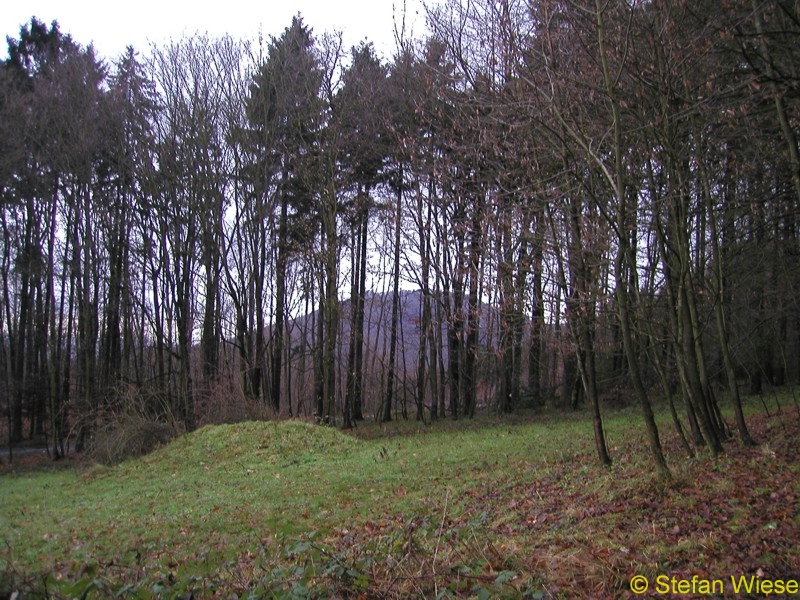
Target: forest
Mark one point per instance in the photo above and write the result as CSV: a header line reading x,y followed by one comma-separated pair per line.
x,y
545,203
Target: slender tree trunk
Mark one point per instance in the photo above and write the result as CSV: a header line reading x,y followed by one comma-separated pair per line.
x,y
588,373
505,275
331,304
358,399
472,333
425,314
718,286
386,413
624,259
276,347
20,345
349,396
319,358
355,360
536,329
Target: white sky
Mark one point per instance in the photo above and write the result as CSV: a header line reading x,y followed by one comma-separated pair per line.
x,y
111,26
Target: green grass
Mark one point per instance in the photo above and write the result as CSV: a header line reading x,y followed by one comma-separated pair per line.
x,y
485,508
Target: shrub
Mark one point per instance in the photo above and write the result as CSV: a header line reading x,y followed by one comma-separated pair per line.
x,y
128,437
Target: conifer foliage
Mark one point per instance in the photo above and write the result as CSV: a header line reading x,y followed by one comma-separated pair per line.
x,y
548,203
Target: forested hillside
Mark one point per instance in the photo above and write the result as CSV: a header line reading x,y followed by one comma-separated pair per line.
x,y
555,202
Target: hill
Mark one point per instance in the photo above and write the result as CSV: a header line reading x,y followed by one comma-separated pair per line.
x,y
377,323
486,508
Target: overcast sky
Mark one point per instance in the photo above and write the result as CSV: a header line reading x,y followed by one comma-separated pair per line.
x,y
111,26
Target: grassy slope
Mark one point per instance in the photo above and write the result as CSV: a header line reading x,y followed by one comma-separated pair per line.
x,y
479,508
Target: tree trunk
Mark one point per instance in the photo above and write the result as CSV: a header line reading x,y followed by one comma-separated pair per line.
x,y
624,258
472,333
276,345
386,412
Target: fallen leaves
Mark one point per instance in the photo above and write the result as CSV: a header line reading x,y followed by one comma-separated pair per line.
x,y
560,527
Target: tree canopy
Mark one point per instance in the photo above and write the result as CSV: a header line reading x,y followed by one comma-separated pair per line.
x,y
548,203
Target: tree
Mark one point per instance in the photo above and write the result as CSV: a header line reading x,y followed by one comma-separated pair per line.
x,y
361,113
586,26
189,202
285,111
55,181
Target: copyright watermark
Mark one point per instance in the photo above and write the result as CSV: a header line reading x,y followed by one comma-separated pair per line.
x,y
741,584
639,584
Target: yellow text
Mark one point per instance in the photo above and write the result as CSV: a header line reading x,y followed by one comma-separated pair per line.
x,y
696,585
763,587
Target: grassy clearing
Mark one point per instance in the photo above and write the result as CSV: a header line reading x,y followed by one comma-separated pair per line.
x,y
486,508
